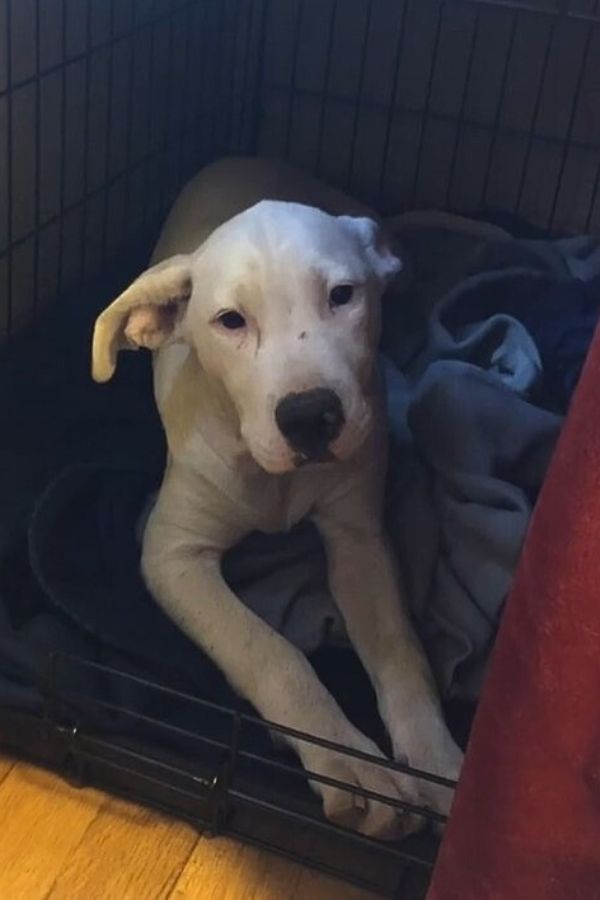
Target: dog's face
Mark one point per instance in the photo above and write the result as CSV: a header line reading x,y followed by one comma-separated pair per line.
x,y
281,305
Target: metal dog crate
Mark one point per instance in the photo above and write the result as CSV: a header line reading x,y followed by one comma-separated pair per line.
x,y
108,106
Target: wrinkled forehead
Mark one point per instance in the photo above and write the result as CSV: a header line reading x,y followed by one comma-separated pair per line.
x,y
275,243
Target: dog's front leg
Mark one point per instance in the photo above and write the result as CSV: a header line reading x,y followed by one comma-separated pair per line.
x,y
184,576
366,587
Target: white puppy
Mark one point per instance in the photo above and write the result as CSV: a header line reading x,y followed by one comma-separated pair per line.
x,y
265,317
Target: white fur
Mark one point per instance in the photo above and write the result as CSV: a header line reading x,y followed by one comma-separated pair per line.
x,y
230,471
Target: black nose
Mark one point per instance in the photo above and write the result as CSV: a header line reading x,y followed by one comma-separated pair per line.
x,y
310,421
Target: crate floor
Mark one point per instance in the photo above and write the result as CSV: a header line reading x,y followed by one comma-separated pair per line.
x,y
64,842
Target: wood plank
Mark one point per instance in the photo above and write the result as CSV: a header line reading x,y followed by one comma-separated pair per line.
x,y
42,819
59,842
223,869
127,852
6,764
314,885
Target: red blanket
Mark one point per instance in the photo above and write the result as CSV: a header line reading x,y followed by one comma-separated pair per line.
x,y
526,819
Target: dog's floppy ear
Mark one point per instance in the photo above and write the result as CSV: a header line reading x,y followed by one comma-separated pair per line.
x,y
145,315
385,263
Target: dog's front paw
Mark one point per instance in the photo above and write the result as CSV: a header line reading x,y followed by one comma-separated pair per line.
x,y
364,814
440,757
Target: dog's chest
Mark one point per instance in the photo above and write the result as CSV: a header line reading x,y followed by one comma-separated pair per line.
x,y
277,503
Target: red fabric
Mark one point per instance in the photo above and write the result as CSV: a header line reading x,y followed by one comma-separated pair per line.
x,y
526,818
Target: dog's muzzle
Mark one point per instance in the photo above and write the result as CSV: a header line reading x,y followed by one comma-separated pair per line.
x,y
310,421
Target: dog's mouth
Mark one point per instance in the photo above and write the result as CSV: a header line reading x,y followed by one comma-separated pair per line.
x,y
307,459
292,460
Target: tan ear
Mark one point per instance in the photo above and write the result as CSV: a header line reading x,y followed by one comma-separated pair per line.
x,y
145,315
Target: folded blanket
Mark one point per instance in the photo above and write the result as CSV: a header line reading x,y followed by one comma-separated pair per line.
x,y
485,348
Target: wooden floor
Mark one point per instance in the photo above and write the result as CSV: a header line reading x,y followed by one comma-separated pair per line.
x,y
64,843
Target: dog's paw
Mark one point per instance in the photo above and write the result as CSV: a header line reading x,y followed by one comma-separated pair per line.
x,y
446,762
364,814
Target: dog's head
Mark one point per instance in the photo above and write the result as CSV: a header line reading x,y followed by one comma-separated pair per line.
x,y
282,306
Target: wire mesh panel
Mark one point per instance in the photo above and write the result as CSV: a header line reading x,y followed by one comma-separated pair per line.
x,y
106,106
461,104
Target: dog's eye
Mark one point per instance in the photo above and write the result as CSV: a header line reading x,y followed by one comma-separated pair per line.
x,y
231,320
341,294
